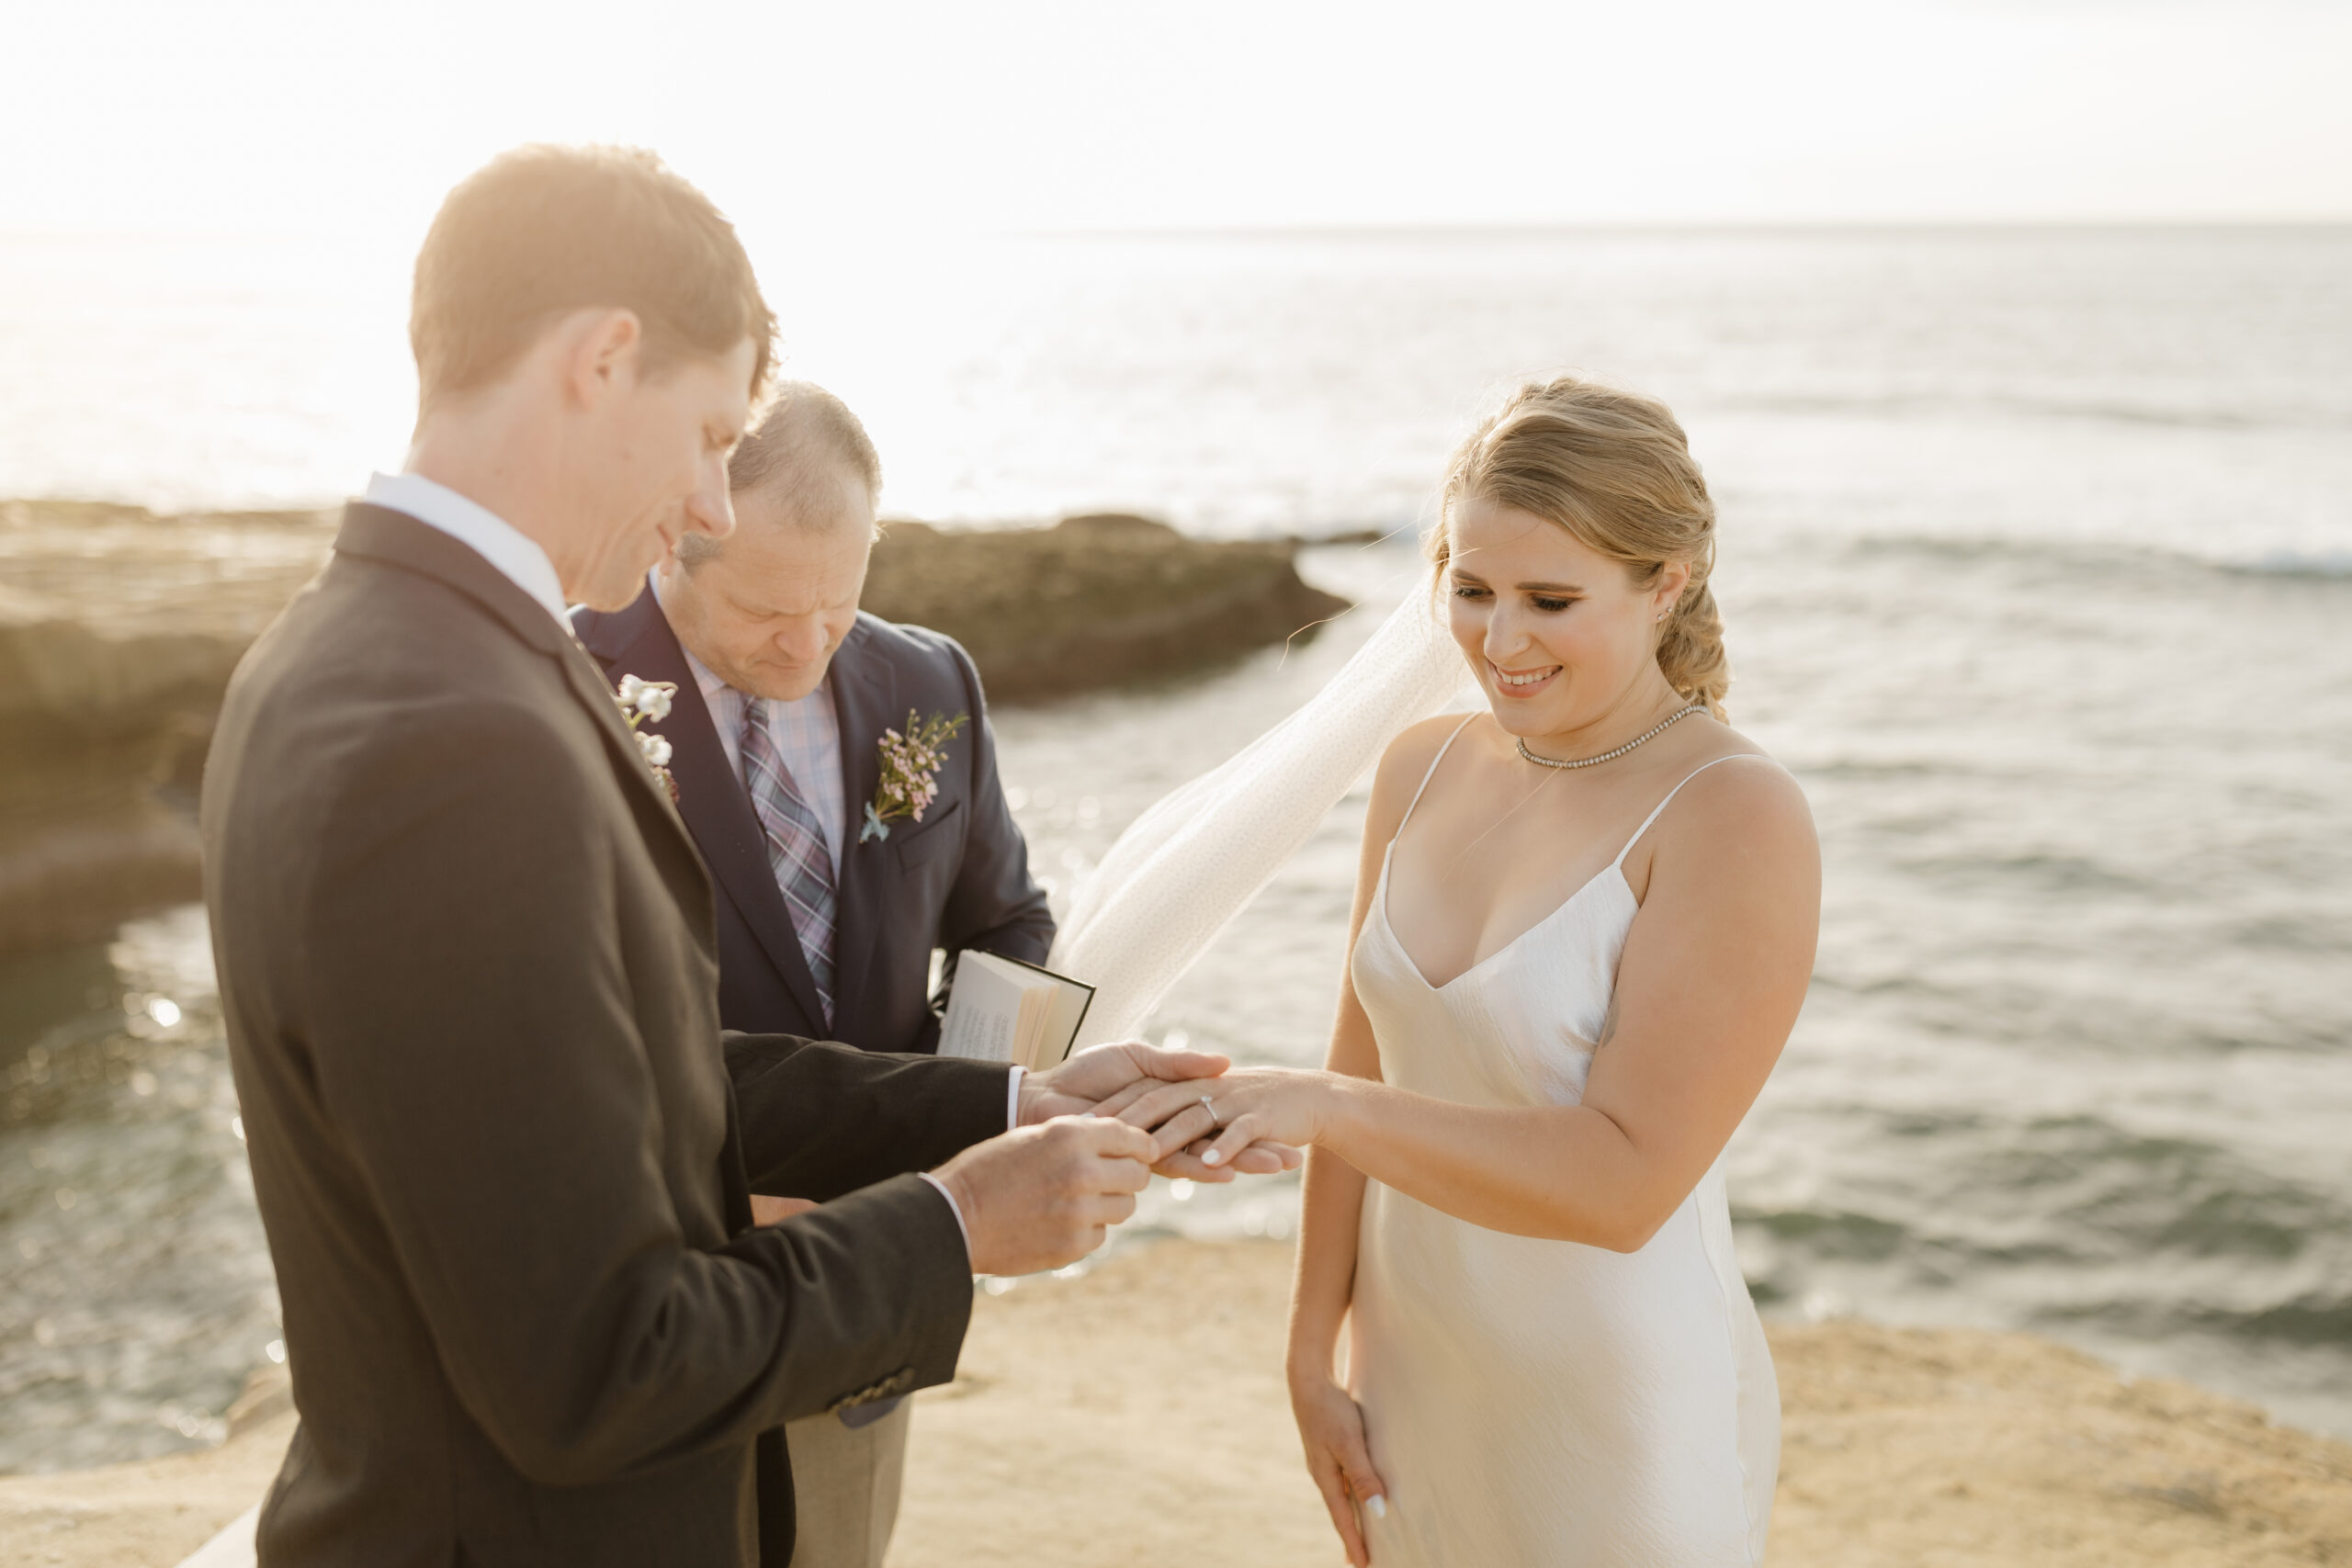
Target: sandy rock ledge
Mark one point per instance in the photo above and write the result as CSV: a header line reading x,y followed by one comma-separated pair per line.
x,y
1137,1416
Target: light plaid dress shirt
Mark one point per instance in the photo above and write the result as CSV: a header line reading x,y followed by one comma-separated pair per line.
x,y
808,733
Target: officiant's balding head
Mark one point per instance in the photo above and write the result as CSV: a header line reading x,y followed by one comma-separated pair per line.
x,y
766,607
807,466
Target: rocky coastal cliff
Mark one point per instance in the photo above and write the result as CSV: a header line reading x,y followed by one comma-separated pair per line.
x,y
1093,601
118,633
119,630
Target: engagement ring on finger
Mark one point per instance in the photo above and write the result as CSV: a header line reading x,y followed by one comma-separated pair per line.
x,y
1210,1106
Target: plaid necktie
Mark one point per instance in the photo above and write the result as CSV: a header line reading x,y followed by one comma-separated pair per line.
x,y
797,852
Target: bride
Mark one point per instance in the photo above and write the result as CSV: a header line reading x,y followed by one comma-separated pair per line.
x,y
1583,927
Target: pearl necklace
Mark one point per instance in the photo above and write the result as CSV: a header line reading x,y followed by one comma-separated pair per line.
x,y
1668,722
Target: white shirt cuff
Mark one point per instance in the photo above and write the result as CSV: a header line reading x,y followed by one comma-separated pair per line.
x,y
1011,1120
960,1227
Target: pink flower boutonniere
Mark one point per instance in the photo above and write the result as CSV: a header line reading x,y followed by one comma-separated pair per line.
x,y
642,700
911,765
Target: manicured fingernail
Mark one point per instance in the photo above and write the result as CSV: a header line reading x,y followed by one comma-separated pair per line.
x,y
1215,1157
1376,1505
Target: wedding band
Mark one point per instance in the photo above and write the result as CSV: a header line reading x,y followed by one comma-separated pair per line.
x,y
1210,1106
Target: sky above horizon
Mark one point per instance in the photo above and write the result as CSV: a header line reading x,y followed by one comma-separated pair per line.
x,y
848,122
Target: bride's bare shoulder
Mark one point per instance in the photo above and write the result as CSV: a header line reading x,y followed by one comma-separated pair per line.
x,y
1402,768
1752,802
1416,748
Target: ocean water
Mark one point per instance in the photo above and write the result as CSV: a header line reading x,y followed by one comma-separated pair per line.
x,y
2038,565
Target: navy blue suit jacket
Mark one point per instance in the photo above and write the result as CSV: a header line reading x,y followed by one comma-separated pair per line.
x,y
958,879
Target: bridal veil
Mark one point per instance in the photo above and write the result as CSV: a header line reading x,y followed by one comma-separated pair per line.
x,y
1198,855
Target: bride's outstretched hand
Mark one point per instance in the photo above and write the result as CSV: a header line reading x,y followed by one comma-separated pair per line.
x,y
1331,1426
1106,1079
1109,1079
1216,1120
1107,1073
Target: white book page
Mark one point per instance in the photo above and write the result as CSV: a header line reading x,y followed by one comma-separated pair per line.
x,y
1062,1019
983,1011
1012,1012
1036,1001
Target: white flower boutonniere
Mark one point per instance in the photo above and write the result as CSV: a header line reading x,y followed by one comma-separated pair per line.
x,y
641,701
911,765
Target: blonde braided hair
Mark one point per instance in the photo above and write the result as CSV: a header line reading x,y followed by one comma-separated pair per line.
x,y
1615,470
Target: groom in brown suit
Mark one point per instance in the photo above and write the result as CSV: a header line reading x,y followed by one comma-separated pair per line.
x,y
467,957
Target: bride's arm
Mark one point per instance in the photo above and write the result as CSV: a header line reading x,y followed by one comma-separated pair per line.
x,y
1712,974
1328,1422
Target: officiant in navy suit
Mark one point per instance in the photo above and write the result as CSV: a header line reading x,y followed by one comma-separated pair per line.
x,y
826,927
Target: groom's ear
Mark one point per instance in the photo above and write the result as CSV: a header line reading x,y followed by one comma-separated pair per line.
x,y
604,355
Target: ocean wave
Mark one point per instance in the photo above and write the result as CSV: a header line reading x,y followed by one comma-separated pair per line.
x,y
2055,875
2312,1318
2094,1199
2101,557
2330,564
2147,1286
1909,405
1842,1234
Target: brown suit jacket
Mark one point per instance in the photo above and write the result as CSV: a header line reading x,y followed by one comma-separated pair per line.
x,y
467,959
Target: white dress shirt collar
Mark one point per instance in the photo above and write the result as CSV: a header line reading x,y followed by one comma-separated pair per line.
x,y
807,733
515,553
707,681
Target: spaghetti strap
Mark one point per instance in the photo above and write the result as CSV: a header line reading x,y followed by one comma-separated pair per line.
x,y
1431,774
1647,822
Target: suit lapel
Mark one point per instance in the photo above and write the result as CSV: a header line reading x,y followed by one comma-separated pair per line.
x,y
711,797
865,696
380,534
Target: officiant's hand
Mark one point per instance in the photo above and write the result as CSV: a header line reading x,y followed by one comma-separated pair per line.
x,y
1041,1197
1105,1080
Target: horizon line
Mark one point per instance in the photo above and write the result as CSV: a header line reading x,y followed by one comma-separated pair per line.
x,y
1508,229
1403,229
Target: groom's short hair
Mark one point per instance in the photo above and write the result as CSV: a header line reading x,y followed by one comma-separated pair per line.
x,y
542,232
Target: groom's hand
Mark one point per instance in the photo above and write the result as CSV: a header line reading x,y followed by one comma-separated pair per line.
x,y
1045,1197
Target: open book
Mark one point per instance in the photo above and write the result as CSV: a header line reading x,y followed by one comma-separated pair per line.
x,y
1000,1009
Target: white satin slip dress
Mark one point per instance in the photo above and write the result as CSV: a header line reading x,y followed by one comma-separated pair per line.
x,y
1544,1403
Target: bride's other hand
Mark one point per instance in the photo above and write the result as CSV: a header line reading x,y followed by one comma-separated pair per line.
x,y
1331,1426
1258,1159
